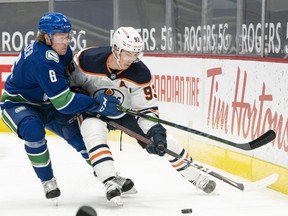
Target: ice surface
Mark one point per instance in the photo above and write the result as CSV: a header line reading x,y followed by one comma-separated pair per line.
x,y
162,191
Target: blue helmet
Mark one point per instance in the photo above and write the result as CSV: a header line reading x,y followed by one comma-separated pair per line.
x,y
52,23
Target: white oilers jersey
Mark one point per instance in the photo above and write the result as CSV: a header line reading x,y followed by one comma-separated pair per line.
x,y
133,87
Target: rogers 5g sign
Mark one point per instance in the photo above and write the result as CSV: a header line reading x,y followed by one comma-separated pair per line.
x,y
15,42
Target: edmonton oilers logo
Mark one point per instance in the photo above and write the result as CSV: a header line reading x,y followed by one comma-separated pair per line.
x,y
111,92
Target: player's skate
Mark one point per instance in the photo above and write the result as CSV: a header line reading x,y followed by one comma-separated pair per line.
x,y
126,184
204,183
201,181
51,190
113,191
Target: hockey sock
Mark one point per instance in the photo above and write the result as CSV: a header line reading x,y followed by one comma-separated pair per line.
x,y
40,160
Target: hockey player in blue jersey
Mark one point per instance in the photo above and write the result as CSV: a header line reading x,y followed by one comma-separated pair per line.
x,y
118,71
37,96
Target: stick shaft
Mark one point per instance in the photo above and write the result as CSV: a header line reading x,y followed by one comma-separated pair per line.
x,y
260,141
147,141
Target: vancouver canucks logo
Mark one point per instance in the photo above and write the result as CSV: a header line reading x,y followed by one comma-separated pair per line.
x,y
52,55
111,92
19,109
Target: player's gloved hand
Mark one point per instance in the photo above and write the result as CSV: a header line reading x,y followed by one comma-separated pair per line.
x,y
158,135
107,105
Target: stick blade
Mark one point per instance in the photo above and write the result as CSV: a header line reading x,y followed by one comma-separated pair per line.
x,y
262,183
263,140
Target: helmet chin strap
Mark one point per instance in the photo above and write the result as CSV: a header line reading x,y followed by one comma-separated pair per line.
x,y
117,57
50,36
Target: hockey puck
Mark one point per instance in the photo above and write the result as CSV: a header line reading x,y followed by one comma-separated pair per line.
x,y
186,211
86,211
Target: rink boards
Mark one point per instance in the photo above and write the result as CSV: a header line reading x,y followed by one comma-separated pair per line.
x,y
235,99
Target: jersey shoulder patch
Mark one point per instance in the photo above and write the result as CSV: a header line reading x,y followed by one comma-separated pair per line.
x,y
52,55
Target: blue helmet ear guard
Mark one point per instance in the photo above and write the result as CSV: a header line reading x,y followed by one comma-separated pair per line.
x,y
52,23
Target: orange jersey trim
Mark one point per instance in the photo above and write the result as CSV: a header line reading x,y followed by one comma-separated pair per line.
x,y
100,154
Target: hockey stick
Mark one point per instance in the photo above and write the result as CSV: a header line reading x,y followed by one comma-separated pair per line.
x,y
260,141
262,183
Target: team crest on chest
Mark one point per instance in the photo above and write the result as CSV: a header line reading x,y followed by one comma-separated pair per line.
x,y
111,92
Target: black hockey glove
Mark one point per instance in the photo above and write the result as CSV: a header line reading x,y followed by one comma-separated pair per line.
x,y
158,135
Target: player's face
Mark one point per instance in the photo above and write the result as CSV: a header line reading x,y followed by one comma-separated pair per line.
x,y
127,58
60,42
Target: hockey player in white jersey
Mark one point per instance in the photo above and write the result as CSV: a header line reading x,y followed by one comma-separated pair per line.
x,y
119,71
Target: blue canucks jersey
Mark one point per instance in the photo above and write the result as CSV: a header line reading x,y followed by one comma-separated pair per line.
x,y
38,78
